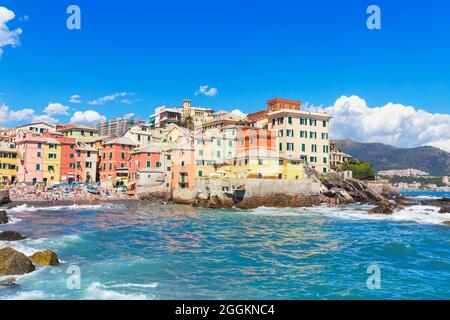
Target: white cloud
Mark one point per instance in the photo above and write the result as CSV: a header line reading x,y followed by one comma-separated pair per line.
x,y
45,118
56,109
239,113
109,98
8,37
89,116
205,90
392,123
7,115
75,98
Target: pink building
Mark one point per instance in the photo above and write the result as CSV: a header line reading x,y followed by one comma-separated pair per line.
x,y
30,149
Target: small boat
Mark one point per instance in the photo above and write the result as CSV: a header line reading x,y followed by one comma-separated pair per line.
x,y
93,191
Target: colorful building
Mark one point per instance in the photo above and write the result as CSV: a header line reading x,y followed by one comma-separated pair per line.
x,y
115,161
52,162
80,132
182,167
146,169
86,163
30,149
9,164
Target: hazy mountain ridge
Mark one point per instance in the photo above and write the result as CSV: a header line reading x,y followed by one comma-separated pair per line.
x,y
386,157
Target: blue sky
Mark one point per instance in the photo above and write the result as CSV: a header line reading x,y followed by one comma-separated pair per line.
x,y
251,51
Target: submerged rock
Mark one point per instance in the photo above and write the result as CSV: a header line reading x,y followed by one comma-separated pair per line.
x,y
45,258
8,282
4,197
447,223
11,236
445,210
13,262
443,202
3,217
382,208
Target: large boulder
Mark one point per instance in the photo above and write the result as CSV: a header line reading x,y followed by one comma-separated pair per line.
x,y
382,208
3,217
11,236
447,223
45,258
13,262
4,197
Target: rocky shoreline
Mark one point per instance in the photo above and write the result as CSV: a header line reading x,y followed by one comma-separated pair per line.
x,y
13,262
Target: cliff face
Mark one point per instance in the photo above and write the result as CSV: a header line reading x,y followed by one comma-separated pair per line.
x,y
385,157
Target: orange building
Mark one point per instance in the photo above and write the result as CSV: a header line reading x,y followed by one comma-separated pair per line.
x,y
115,161
146,169
274,105
249,139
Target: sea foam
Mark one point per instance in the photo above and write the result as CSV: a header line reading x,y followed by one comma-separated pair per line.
x,y
98,291
418,213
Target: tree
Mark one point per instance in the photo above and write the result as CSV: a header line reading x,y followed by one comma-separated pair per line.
x,y
188,123
360,170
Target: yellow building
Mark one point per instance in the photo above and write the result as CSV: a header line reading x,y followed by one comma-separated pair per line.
x,y
9,164
292,169
80,132
52,161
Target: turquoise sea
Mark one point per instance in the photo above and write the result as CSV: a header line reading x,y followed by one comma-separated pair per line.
x,y
177,252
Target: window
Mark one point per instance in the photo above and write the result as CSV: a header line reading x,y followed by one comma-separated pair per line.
x,y
200,173
88,154
313,148
290,120
325,160
324,170
122,155
313,122
289,133
312,135
39,154
281,147
72,156
324,123
230,143
303,134
158,164
39,145
313,159
303,121
280,133
303,147
148,164
72,146
38,167
110,166
325,149
273,122
219,142
52,156
260,162
280,162
290,146
200,152
218,154
252,140
324,136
